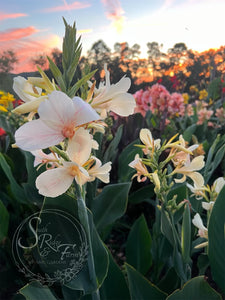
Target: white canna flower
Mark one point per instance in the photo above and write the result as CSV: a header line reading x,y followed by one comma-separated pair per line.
x,y
141,169
202,230
113,97
218,185
189,169
148,141
59,116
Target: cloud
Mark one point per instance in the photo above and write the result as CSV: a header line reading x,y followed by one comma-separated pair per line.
x,y
4,16
17,33
115,13
71,6
83,31
26,48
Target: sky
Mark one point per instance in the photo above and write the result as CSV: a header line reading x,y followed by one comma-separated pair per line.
x,y
33,28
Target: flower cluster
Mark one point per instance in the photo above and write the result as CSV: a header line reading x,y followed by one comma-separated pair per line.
x,y
62,136
159,101
179,155
5,100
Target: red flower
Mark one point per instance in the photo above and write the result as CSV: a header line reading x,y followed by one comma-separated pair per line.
x,y
223,90
159,80
2,131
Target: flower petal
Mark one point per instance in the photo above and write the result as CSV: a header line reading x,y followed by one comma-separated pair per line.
x,y
197,179
123,105
146,137
84,112
197,221
54,182
29,106
58,111
36,135
79,147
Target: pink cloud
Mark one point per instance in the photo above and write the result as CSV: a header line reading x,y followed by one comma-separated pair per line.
x,y
114,12
72,6
27,48
4,16
17,33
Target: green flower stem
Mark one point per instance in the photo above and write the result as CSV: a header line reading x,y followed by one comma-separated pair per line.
x,y
83,217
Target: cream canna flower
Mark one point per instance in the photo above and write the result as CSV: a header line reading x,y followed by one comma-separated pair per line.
x,y
113,97
198,191
29,93
57,181
42,158
141,169
58,118
147,140
218,185
202,230
189,169
99,171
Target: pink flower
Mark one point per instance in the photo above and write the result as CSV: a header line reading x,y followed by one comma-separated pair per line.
x,y
204,115
59,115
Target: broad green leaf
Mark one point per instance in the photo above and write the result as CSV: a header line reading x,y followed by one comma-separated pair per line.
x,y
187,135
127,155
186,235
138,248
110,204
114,286
16,189
57,74
142,289
36,291
4,221
82,280
145,193
196,288
112,149
216,235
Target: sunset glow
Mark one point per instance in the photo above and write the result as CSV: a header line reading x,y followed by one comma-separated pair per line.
x,y
36,30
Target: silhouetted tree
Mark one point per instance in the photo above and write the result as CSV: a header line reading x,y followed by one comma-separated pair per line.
x,y
7,60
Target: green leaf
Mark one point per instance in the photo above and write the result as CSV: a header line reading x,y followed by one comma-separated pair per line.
x,y
4,221
36,291
127,155
216,235
145,193
83,281
114,286
112,149
138,248
57,74
166,227
72,91
186,235
187,135
214,157
110,204
196,288
142,289
16,189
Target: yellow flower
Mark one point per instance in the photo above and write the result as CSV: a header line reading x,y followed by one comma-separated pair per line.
x,y
186,97
203,94
5,100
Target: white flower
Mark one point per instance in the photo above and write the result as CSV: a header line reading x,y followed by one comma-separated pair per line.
x,y
218,185
202,230
189,170
99,171
29,93
59,116
147,140
140,168
113,97
208,205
